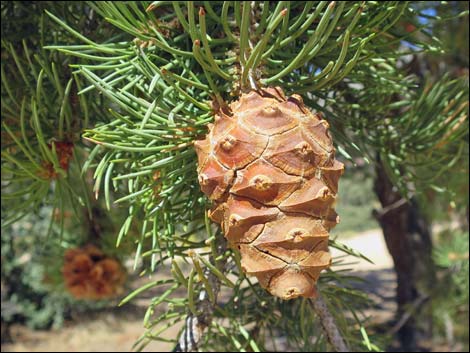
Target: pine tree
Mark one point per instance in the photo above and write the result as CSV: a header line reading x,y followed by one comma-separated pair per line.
x,y
118,93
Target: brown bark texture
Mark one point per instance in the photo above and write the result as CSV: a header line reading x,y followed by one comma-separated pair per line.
x,y
408,238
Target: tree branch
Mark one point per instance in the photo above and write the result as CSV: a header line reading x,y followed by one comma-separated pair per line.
x,y
394,206
195,325
329,325
409,313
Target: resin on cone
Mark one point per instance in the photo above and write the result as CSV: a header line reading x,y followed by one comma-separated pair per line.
x,y
269,167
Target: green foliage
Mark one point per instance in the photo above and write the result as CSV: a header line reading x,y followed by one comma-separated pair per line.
x,y
160,86
41,114
142,80
451,311
247,317
37,115
420,134
41,111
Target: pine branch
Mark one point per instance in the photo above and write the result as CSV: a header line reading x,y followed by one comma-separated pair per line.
x,y
40,119
419,133
159,88
195,325
328,324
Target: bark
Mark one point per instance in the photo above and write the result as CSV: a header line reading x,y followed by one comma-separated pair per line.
x,y
408,238
329,325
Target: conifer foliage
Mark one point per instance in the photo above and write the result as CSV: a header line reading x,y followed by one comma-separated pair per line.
x,y
113,100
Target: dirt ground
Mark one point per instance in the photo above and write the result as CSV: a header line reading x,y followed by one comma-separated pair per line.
x,y
108,332
116,330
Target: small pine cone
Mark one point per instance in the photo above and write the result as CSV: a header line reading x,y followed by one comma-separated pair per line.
x,y
90,274
270,169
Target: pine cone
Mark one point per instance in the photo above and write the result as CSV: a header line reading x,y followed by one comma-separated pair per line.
x,y
270,169
90,274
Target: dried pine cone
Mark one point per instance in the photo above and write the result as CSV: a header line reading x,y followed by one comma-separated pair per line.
x,y
89,274
270,169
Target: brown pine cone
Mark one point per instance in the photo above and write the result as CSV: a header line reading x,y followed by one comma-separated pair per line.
x,y
90,274
270,169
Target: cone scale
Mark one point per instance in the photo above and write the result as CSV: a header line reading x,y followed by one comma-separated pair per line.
x,y
269,167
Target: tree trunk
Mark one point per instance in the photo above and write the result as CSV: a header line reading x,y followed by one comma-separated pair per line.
x,y
408,238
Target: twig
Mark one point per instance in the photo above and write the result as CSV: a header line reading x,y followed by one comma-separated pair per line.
x,y
329,326
397,204
406,316
195,325
253,83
